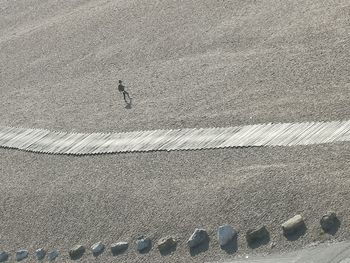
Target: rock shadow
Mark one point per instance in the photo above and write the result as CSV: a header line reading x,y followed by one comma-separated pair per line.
x,y
297,233
147,249
4,257
255,243
231,247
332,230
99,253
168,251
200,248
119,251
77,257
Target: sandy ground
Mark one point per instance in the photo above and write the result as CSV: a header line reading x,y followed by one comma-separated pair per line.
x,y
198,63
58,201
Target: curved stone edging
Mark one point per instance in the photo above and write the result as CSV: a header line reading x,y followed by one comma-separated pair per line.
x,y
280,134
226,238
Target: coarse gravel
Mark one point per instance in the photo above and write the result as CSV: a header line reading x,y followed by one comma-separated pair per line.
x,y
57,201
201,63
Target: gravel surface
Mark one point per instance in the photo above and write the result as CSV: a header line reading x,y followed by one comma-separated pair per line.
x,y
199,63
59,201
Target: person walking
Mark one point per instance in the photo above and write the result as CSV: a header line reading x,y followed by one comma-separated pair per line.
x,y
121,89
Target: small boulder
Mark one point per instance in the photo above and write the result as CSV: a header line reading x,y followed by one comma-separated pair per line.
x,y
293,224
198,237
225,234
256,235
329,221
119,247
77,251
21,254
53,255
40,253
3,256
166,244
97,248
143,243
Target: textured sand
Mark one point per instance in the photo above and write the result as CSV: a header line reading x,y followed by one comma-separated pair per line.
x,y
188,64
58,201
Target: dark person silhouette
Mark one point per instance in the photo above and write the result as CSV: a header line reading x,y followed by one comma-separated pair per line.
x,y
121,88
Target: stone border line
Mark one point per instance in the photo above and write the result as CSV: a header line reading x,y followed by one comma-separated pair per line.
x,y
280,134
226,237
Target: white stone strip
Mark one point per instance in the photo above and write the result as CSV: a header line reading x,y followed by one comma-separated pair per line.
x,y
280,134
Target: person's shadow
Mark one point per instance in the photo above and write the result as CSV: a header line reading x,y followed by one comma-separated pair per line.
x,y
128,105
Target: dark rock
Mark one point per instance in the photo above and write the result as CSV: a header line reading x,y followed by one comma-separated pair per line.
x,y
21,254
40,253
143,244
77,251
225,234
329,221
257,235
97,248
3,256
119,247
166,243
198,237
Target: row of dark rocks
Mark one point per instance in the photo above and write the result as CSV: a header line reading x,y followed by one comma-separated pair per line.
x,y
293,228
225,234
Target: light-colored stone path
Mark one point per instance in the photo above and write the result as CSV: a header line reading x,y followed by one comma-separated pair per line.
x,y
280,134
